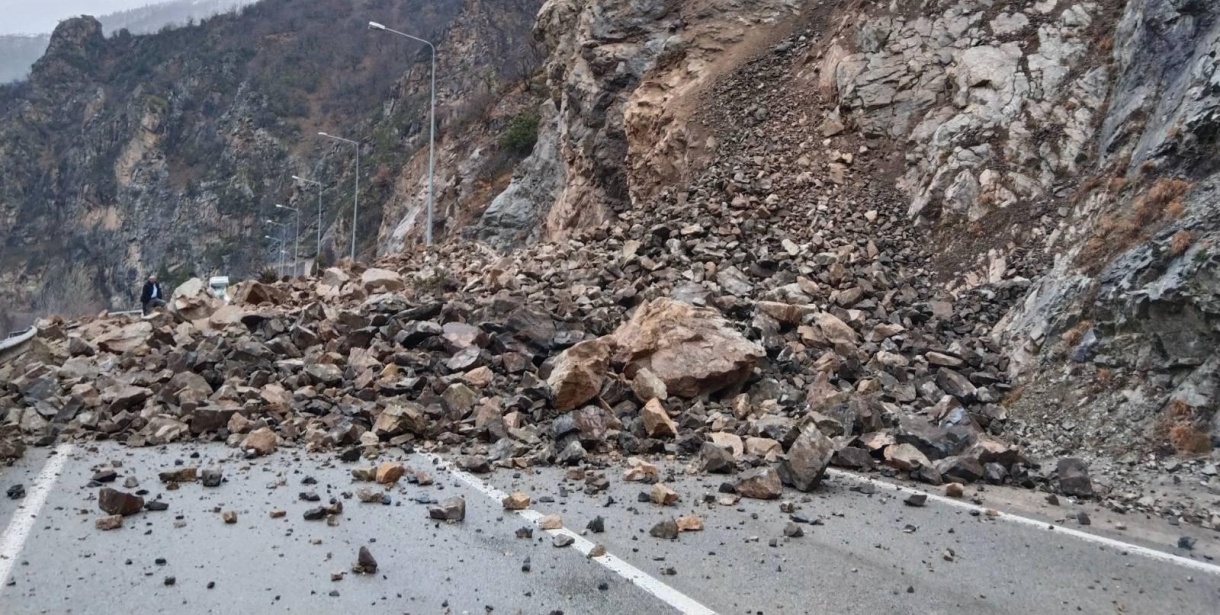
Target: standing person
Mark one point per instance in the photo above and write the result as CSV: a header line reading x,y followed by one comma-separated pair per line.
x,y
152,296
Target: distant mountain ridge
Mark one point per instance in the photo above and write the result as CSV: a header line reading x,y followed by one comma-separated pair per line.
x,y
18,52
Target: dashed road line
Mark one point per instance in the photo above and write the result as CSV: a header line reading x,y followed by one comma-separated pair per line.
x,y
23,519
667,594
1125,547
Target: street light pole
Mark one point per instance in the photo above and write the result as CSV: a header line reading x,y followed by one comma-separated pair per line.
x,y
319,185
356,207
283,232
296,241
432,120
273,239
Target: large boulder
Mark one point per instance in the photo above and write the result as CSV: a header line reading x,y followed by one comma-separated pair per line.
x,y
399,418
254,293
192,301
578,374
807,459
692,350
381,281
126,338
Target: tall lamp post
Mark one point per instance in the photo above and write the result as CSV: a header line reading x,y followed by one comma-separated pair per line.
x,y
432,120
283,233
281,242
296,242
319,185
356,206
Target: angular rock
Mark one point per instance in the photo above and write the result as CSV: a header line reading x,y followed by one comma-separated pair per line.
x,y
666,530
452,509
760,483
365,562
261,441
806,460
715,459
115,502
662,495
389,472
516,501
112,522
578,374
692,350
657,423
1074,477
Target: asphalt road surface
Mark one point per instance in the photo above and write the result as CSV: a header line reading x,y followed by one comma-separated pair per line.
x,y
864,552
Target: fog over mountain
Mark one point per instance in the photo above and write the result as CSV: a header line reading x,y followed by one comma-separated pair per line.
x,y
40,16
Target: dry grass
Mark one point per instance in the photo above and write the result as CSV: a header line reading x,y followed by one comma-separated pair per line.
x,y
1149,212
1181,242
1072,336
1180,426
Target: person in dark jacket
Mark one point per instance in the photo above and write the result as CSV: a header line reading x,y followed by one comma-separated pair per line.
x,y
152,296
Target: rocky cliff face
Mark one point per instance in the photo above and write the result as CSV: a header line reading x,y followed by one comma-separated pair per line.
x,y
131,155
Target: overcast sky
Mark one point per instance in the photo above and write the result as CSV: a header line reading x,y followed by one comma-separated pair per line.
x,y
40,16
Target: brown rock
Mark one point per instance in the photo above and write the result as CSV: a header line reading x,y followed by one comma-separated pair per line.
x,y
376,280
278,513
229,516
647,386
906,457
516,501
692,350
113,522
578,374
663,495
760,483
452,509
550,522
115,502
690,523
399,418
640,470
657,423
261,441
179,475
389,472
954,490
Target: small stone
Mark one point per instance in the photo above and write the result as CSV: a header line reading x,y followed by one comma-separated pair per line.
x,y
760,483
1187,543
516,501
452,509
365,563
954,490
364,474
792,530
1052,499
116,502
212,478
105,475
562,540
229,516
16,492
112,522
262,441
388,473
156,506
667,529
597,551
477,464
916,499
663,495
170,580
690,523
278,513
597,525
315,514
179,475
550,522
526,533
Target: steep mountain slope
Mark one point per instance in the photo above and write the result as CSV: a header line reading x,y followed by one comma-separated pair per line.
x,y
133,155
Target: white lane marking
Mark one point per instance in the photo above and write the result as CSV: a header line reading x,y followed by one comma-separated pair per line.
x,y
680,601
23,519
1042,525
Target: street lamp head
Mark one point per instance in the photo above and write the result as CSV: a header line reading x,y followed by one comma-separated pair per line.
x,y
375,26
